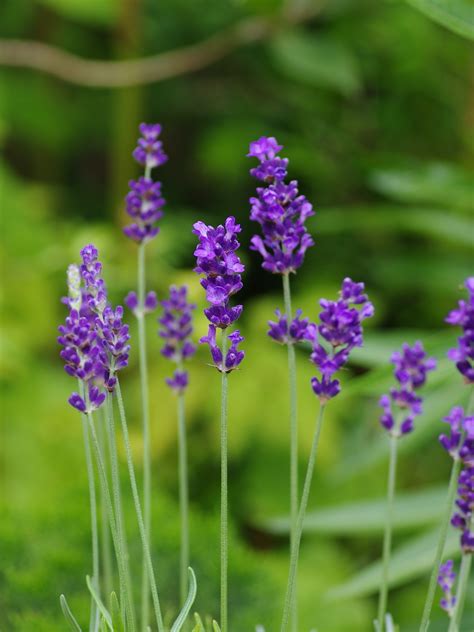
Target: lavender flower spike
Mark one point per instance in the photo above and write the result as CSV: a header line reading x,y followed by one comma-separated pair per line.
x,y
341,331
280,211
149,151
463,354
463,516
459,444
446,579
300,329
176,330
411,368
233,356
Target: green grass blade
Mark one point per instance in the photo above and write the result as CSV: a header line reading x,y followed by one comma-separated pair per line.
x,y
73,624
183,615
102,609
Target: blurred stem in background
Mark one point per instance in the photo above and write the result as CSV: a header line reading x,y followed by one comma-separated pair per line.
x,y
146,427
224,504
106,544
295,549
387,540
293,441
183,498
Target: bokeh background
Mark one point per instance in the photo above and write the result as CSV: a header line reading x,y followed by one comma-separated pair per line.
x,y
374,105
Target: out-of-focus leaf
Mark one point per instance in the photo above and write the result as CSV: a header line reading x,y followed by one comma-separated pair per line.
x,y
434,183
88,11
409,561
455,15
70,618
318,60
411,510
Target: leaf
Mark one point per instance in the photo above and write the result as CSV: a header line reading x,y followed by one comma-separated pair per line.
x,y
317,60
181,619
88,11
215,626
117,621
455,15
102,609
409,561
412,510
199,627
73,624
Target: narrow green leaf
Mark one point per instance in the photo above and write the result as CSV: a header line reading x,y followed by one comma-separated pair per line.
x,y
199,627
183,615
215,626
409,561
455,15
411,510
102,609
103,625
73,624
317,60
117,621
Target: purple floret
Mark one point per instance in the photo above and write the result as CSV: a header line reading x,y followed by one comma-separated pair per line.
x,y
460,442
149,151
300,329
340,330
463,517
463,316
144,204
446,579
233,356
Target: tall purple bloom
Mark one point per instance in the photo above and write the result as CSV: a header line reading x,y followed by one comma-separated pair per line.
x,y
300,329
411,368
460,442
463,517
217,259
144,202
280,211
446,579
463,316
339,331
176,330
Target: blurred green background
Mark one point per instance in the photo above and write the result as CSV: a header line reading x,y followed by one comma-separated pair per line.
x,y
374,106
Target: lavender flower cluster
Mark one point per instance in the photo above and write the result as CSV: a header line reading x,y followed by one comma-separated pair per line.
x,y
94,338
279,209
446,579
463,316
403,404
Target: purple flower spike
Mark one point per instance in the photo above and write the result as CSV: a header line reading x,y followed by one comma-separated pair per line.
x,y
216,258
411,368
131,301
176,330
233,356
300,329
341,329
460,442
463,354
446,579
463,517
144,203
149,151
280,211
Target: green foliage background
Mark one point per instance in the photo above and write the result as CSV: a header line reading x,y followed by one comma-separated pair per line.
x,y
373,104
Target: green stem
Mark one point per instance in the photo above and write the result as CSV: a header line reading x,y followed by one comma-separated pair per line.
x,y
224,499
461,592
183,499
441,543
117,502
138,511
295,549
105,529
293,441
113,525
94,619
387,541
146,431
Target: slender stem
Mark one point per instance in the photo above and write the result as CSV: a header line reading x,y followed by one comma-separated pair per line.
x,y
117,501
113,525
295,549
94,619
441,543
104,521
293,442
146,431
224,500
461,591
183,498
138,511
387,541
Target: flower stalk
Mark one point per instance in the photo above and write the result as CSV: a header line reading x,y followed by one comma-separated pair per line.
x,y
461,591
224,493
183,498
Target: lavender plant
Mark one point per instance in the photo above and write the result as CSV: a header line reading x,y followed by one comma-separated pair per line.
x,y
400,408
217,260
144,205
282,213
339,331
176,329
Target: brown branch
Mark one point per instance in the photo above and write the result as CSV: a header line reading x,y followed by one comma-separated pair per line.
x,y
119,74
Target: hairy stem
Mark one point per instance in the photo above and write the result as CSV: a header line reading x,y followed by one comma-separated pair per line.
x,y
295,549
138,511
293,441
183,499
387,541
117,501
440,548
146,431
224,499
